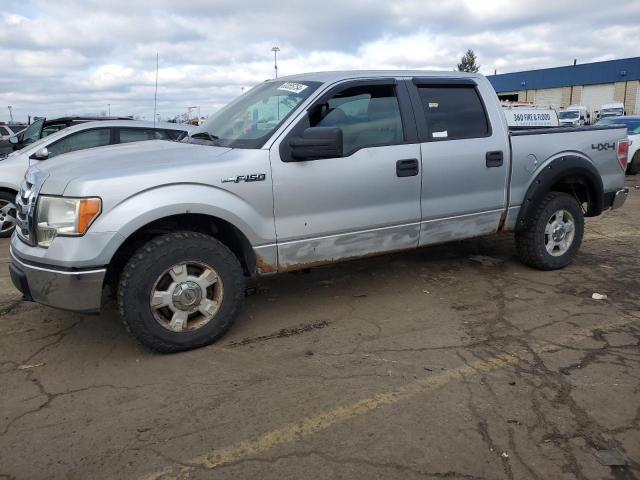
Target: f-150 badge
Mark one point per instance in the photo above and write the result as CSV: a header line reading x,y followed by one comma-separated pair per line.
x,y
254,177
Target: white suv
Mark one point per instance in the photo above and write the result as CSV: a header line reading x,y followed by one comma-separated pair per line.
x,y
78,137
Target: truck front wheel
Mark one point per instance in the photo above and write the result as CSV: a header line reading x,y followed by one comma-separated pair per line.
x,y
180,291
553,234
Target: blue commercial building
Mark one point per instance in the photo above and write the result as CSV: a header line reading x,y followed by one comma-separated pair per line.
x,y
589,84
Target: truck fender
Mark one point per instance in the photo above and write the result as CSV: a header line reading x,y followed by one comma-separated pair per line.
x,y
556,170
148,206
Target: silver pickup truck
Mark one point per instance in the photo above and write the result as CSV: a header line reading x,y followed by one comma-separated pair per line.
x,y
298,172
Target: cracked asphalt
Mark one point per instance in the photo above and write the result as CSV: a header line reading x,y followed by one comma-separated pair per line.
x,y
453,361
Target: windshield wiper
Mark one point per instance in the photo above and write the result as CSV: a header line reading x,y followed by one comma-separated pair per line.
x,y
205,136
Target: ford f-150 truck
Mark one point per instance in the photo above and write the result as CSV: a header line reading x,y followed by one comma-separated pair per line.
x,y
298,172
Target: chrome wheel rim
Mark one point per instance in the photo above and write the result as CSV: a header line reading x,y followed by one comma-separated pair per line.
x,y
7,216
559,233
186,296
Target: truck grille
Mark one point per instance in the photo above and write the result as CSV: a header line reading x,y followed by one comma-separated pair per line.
x,y
26,205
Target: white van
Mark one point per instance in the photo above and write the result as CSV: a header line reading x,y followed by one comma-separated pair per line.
x,y
615,109
530,116
574,116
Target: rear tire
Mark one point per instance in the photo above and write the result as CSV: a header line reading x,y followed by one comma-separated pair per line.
x,y
8,214
180,291
553,234
634,166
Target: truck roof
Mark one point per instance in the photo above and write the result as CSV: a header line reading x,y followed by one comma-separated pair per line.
x,y
329,76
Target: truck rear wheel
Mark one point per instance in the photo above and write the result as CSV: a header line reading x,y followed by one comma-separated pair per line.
x,y
180,291
553,234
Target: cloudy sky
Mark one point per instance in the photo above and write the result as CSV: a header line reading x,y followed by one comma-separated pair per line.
x,y
78,56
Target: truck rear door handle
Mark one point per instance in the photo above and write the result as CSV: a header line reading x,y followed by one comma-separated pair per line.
x,y
495,158
407,168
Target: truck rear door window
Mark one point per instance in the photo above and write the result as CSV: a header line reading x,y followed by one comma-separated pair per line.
x,y
453,112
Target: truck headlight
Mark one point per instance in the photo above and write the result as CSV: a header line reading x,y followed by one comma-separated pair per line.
x,y
64,216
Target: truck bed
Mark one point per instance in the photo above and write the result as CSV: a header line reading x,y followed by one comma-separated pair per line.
x,y
533,149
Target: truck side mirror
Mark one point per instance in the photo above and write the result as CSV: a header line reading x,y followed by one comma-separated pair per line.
x,y
41,154
317,143
14,139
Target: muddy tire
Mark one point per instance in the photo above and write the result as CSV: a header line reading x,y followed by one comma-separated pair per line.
x,y
553,234
634,166
180,291
7,214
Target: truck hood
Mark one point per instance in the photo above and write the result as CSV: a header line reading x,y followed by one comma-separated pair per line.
x,y
122,162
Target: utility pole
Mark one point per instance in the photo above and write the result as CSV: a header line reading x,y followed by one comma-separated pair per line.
x,y
108,109
155,95
275,51
10,113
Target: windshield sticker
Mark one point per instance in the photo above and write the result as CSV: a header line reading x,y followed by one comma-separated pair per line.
x,y
433,105
292,87
443,134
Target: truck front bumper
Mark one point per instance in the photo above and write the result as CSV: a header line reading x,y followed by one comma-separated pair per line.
x,y
67,289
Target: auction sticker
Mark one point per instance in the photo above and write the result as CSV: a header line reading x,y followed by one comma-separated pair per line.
x,y
292,87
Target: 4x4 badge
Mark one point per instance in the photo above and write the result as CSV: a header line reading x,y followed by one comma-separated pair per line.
x,y
254,177
603,146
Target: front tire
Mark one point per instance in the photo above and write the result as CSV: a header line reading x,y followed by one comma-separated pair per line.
x,y
553,234
180,291
7,214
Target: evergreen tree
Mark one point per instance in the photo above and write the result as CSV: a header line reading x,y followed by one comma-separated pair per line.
x,y
468,62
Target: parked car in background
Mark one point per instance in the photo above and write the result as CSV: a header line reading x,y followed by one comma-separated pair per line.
x,y
632,122
530,116
8,130
574,116
615,109
298,172
43,127
79,137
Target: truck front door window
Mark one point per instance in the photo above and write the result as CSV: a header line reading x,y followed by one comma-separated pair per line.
x,y
453,112
368,116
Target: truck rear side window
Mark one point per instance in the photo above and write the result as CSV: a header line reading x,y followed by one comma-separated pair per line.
x,y
453,112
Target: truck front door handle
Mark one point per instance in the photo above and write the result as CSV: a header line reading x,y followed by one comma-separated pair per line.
x,y
407,168
494,159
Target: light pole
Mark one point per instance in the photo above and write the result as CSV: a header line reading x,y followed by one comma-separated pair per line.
x,y
109,109
275,51
10,113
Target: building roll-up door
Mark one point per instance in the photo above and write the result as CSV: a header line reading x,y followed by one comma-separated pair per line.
x,y
549,97
594,96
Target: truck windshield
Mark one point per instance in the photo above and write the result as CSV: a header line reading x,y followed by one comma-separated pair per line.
x,y
249,120
568,115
